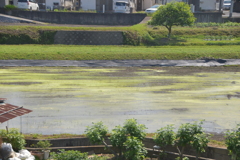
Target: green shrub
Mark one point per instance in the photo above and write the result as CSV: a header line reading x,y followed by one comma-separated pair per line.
x,y
123,137
14,137
46,37
36,135
68,155
191,134
213,24
131,38
134,149
10,7
44,145
233,143
16,39
43,37
164,137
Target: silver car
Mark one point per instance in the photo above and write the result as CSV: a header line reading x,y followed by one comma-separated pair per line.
x,y
152,9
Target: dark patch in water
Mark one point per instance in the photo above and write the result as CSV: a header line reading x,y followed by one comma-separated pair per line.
x,y
143,112
180,109
237,95
160,92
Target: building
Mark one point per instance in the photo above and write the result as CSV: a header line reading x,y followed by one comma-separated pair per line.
x,y
3,3
199,5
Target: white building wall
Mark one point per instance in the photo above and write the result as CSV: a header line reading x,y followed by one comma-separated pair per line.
x,y
68,4
88,4
15,2
208,5
49,3
148,3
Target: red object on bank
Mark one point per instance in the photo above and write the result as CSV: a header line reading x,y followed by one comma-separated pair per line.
x,y
9,111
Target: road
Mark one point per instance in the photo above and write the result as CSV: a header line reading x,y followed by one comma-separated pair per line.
x,y
119,63
234,14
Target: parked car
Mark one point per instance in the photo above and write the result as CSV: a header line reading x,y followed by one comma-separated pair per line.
x,y
28,4
121,7
152,9
226,5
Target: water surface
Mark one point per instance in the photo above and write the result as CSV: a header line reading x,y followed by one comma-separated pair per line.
x,y
67,99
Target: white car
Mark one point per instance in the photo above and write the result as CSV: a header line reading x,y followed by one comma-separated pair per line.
x,y
152,9
28,4
226,5
122,7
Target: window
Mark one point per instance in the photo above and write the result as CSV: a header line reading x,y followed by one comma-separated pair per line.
x,y
22,0
121,4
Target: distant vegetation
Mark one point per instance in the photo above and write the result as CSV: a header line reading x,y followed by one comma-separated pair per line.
x,y
137,35
141,41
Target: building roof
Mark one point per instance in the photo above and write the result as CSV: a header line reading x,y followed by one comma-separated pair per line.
x,y
9,111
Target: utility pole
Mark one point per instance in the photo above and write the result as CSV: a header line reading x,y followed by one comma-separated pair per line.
x,y
231,9
220,5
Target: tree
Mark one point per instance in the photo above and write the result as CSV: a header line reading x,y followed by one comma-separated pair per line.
x,y
191,135
128,138
200,143
131,132
233,143
173,14
164,137
97,133
134,149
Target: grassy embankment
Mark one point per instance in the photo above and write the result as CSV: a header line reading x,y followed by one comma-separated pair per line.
x,y
141,42
61,52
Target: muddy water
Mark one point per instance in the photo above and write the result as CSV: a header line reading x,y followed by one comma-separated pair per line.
x,y
67,99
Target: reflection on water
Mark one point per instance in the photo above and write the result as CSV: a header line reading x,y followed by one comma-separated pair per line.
x,y
67,99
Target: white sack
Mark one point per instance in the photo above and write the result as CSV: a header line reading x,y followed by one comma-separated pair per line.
x,y
25,155
15,158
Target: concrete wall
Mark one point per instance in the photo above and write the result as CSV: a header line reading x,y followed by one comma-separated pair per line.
x,y
231,20
102,18
211,152
81,18
88,4
83,144
208,17
148,4
62,142
89,37
208,5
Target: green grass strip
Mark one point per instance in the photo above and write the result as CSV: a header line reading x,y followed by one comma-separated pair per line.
x,y
74,52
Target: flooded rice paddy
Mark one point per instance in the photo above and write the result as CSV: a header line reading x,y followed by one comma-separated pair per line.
x,y
67,99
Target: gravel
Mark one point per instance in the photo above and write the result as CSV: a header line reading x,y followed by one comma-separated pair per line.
x,y
8,20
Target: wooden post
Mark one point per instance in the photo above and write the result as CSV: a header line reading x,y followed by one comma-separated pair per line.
x,y
7,129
